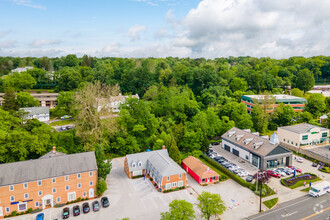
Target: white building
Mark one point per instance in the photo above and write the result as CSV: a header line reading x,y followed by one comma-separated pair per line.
x,y
40,113
115,102
302,135
22,69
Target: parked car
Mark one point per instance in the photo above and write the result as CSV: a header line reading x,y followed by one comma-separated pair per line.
x,y
76,210
96,206
215,143
274,174
249,178
288,171
243,173
68,127
65,117
66,213
222,160
40,216
300,160
85,207
280,171
217,158
314,164
105,202
209,151
295,168
63,128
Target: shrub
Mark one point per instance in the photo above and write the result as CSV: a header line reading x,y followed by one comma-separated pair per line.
x,y
151,179
101,187
139,176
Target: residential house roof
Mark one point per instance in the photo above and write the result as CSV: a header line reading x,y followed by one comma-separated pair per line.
x,y
44,168
250,142
36,110
302,128
202,170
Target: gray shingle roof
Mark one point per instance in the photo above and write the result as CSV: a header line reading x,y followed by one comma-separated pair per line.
x,y
44,168
36,110
158,158
302,128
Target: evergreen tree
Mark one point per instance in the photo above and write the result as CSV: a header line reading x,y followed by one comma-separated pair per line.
x,y
174,152
10,103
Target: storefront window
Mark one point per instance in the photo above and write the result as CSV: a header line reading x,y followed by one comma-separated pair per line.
x,y
274,163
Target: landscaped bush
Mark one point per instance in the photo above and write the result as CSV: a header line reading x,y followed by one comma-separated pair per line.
x,y
324,169
59,205
151,179
176,189
139,176
290,181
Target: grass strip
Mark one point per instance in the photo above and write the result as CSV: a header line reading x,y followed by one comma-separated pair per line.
x,y
270,203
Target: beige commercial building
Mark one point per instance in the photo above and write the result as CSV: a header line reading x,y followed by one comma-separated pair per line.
x,y
45,99
303,135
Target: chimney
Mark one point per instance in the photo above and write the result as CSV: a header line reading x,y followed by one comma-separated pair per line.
x,y
54,150
163,147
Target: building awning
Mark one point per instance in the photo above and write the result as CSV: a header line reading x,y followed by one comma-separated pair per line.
x,y
304,142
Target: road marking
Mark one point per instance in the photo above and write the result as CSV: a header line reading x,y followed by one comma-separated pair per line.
x,y
287,215
281,208
315,214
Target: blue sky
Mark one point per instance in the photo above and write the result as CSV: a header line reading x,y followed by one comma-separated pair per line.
x,y
160,28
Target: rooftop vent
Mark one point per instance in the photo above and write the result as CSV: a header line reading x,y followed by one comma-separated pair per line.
x,y
230,133
265,137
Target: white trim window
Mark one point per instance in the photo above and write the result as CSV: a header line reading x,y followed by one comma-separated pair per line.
x,y
180,183
39,182
79,185
21,207
91,173
12,198
66,188
26,195
71,196
168,178
174,184
54,180
133,165
84,194
7,209
91,183
140,164
11,188
168,186
180,176
66,178
78,175
40,193
54,190
58,199
36,204
25,185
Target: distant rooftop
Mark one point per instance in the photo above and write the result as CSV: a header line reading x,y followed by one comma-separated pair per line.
x,y
278,97
302,128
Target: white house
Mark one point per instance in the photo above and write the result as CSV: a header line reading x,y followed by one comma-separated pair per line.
x,y
40,113
115,102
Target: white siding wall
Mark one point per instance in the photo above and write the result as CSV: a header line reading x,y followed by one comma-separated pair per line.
x,y
242,153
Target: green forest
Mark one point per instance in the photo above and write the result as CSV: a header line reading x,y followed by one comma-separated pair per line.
x,y
185,104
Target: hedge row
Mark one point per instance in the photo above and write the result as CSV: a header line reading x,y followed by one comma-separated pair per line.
x,y
227,172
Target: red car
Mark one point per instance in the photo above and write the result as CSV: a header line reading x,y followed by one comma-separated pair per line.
x,y
272,173
295,168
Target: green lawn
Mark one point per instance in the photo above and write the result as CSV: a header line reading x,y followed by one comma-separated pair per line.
x,y
306,189
61,123
270,203
215,169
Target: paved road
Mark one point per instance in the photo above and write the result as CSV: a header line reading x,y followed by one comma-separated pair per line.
x,y
304,208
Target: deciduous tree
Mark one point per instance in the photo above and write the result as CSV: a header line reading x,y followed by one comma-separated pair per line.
x,y
179,210
210,204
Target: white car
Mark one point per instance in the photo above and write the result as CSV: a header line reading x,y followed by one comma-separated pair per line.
x,y
243,173
213,155
300,160
280,172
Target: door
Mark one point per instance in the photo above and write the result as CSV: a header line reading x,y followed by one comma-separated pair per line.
x,y
227,148
236,152
1,212
137,173
91,193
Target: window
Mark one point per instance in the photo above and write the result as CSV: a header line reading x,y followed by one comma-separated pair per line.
x,y
174,184
246,157
58,199
296,144
91,173
39,183
40,193
79,185
78,175
325,134
84,194
25,185
36,204
288,141
22,207
180,176
71,196
305,137
140,164
91,183
12,198
168,178
26,195
66,178
11,188
180,183
284,139
54,180
66,188
7,209
291,142
168,185
54,190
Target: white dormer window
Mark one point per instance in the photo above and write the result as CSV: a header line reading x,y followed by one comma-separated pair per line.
x,y
133,165
140,164
230,133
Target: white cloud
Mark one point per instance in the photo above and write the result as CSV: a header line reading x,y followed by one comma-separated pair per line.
x,y
7,44
134,32
280,28
4,33
41,43
28,3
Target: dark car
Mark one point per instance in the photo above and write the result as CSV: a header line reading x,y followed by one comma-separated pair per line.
x,y
68,127
217,158
249,178
215,143
105,202
85,207
96,206
209,151
66,213
314,164
40,216
76,210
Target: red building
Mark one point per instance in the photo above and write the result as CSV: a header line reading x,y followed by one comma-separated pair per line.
x,y
199,171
